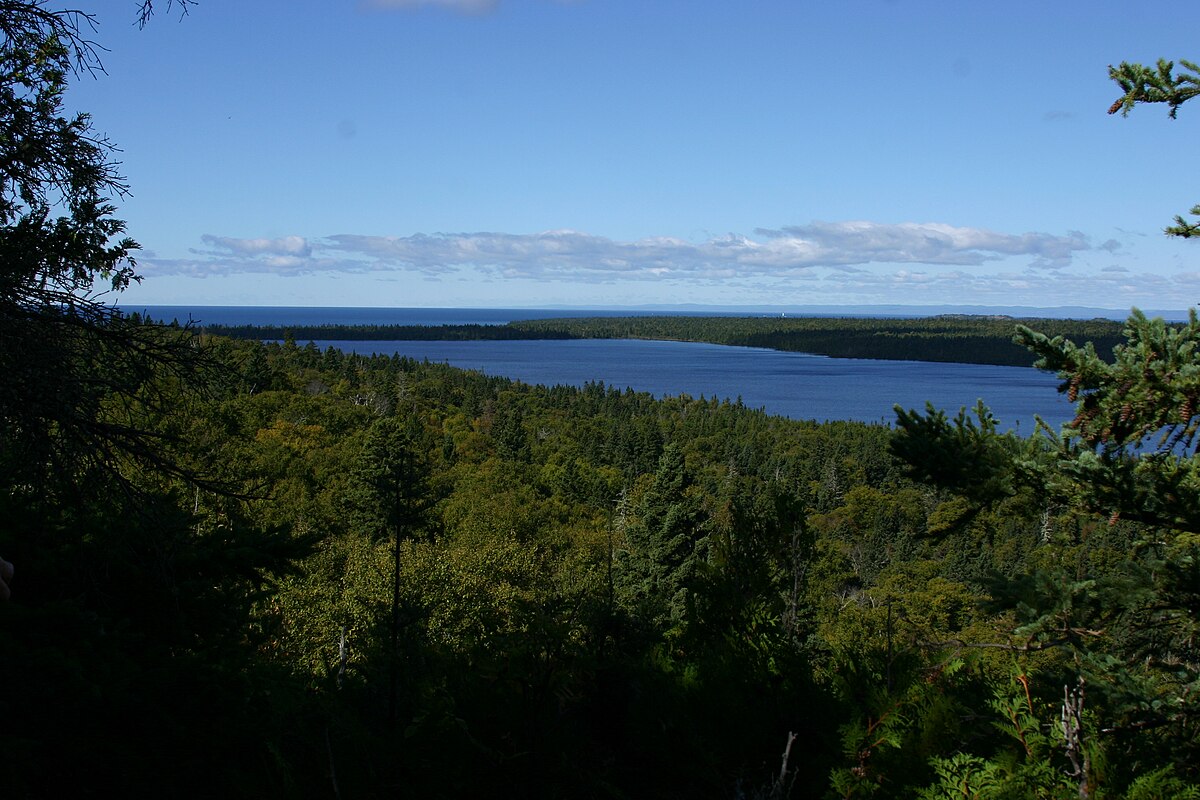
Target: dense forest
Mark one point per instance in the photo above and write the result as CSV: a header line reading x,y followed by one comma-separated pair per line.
x,y
368,576
958,338
238,568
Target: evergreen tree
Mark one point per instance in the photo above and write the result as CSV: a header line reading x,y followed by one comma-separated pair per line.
x,y
1121,711
75,372
394,495
658,566
1159,84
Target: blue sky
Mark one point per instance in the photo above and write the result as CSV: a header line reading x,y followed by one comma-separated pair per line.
x,y
620,152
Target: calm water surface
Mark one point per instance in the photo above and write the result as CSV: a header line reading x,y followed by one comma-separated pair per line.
x,y
795,385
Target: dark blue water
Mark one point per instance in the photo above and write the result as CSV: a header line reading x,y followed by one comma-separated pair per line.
x,y
795,385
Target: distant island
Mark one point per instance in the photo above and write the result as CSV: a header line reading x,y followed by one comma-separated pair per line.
x,y
961,338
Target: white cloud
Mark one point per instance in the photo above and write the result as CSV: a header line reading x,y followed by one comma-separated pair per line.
x,y
849,248
926,243
287,246
577,255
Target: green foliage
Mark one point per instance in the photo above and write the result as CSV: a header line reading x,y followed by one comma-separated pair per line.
x,y
1105,604
967,456
1130,451
53,164
1159,84
1162,784
572,604
323,573
903,710
393,477
407,575
658,561
76,375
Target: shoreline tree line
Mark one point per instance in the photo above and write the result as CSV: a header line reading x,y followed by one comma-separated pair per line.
x,y
951,338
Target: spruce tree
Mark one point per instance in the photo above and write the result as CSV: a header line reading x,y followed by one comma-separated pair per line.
x,y
1126,632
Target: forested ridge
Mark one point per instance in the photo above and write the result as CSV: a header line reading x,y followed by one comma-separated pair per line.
x,y
956,338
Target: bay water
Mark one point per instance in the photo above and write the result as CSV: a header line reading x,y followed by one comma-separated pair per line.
x,y
796,385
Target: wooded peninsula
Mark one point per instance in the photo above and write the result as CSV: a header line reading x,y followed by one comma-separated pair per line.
x,y
956,338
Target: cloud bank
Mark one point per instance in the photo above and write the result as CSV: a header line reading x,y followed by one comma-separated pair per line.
x,y
790,252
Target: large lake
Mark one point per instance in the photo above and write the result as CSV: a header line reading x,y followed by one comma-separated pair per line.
x,y
795,385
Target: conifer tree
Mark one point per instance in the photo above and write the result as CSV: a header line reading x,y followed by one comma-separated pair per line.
x,y
1129,632
73,367
657,567
393,479
1161,83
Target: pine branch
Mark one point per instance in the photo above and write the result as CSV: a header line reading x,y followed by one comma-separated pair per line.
x,y
1160,84
1183,228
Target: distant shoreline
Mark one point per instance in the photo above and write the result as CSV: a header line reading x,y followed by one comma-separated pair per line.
x,y
380,313
950,338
